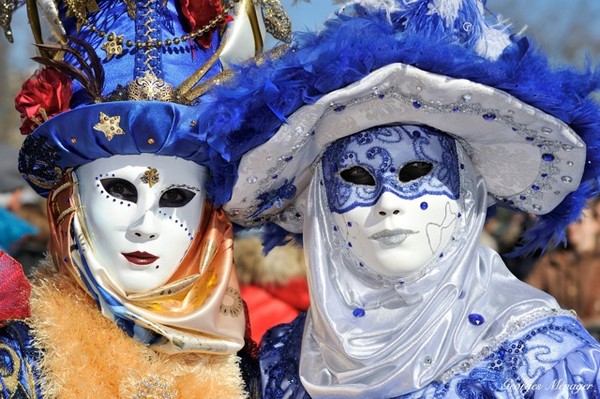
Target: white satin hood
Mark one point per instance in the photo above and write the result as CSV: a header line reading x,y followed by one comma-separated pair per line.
x,y
415,330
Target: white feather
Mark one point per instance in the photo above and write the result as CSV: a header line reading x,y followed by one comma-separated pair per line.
x,y
375,5
493,42
446,9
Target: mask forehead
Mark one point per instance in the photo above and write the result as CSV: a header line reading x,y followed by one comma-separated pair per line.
x,y
383,152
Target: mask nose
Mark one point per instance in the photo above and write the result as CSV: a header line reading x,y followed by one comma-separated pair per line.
x,y
388,204
145,227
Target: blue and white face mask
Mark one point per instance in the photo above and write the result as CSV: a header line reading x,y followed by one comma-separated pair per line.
x,y
393,192
408,161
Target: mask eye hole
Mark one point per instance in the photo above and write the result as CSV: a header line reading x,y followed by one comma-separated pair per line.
x,y
176,198
120,189
358,175
414,170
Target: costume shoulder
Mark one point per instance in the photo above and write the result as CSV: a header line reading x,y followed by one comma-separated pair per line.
x,y
19,362
279,355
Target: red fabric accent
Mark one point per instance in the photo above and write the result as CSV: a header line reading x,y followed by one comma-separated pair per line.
x,y
49,90
14,290
250,345
275,304
199,13
294,292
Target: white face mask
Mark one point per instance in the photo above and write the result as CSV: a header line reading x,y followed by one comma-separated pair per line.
x,y
142,213
393,192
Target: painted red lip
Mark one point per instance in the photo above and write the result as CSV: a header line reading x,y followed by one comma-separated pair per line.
x,y
140,258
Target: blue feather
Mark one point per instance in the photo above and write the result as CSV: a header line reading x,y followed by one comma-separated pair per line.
x,y
348,49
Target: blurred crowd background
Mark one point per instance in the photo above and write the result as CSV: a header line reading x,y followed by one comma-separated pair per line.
x,y
274,287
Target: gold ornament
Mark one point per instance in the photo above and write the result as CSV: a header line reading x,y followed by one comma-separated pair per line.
x,y
151,176
109,125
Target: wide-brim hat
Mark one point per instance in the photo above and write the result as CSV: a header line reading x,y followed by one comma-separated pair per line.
x,y
125,78
529,129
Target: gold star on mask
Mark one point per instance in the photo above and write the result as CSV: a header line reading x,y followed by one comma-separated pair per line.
x,y
109,125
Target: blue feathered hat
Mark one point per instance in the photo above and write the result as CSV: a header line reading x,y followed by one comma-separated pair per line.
x,y
127,77
531,130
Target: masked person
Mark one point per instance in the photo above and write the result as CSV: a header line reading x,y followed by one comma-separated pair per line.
x,y
140,298
383,139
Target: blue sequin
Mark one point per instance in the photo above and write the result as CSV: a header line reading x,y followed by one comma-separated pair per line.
x,y
358,312
476,319
548,157
424,205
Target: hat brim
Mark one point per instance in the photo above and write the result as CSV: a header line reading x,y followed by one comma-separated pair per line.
x,y
528,158
103,130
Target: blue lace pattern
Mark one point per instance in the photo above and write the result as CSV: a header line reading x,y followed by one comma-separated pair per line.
x,y
383,151
19,359
552,358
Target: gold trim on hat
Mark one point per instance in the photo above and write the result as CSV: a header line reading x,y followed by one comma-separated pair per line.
x,y
109,125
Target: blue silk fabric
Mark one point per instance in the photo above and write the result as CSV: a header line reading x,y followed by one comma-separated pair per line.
x,y
529,364
19,360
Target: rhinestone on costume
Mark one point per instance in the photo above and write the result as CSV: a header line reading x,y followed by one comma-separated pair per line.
x,y
566,179
476,319
427,361
252,179
424,205
489,116
358,312
548,157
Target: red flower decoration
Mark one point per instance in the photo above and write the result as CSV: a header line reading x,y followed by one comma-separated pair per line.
x,y
199,13
14,290
45,94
